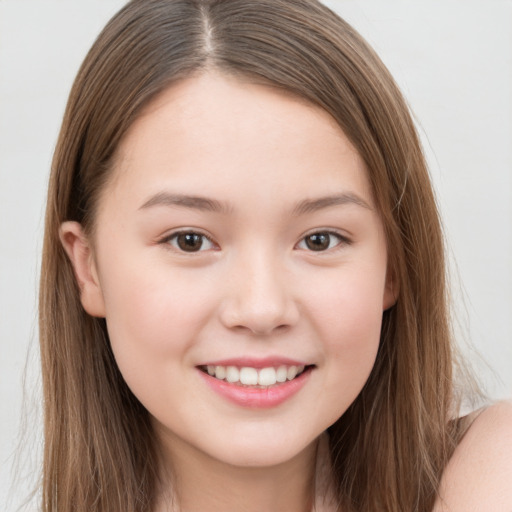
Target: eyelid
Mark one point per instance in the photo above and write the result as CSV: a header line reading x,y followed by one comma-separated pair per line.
x,y
344,240
166,239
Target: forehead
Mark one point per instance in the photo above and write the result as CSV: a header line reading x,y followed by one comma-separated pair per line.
x,y
219,134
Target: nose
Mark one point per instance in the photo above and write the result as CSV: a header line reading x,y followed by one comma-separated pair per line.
x,y
259,298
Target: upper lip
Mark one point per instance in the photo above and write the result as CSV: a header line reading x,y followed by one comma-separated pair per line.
x,y
258,363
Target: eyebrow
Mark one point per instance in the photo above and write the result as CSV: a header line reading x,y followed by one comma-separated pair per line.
x,y
313,205
213,205
186,201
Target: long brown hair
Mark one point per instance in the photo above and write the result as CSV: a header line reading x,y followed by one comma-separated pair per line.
x,y
391,445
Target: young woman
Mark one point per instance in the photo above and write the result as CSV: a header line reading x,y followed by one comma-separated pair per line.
x,y
243,300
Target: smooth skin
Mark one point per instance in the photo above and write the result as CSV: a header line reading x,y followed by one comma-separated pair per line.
x,y
478,478
238,222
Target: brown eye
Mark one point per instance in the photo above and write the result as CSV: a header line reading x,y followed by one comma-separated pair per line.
x,y
321,241
318,242
190,242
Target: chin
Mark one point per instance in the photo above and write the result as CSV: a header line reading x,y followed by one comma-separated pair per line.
x,y
249,452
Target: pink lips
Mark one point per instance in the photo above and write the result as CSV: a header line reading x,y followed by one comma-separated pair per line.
x,y
256,397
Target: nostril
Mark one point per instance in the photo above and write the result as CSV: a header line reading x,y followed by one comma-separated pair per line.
x,y
267,331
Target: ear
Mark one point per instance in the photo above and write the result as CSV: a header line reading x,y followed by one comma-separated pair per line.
x,y
78,249
391,289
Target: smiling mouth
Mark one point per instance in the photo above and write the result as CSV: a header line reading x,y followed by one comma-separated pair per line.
x,y
255,377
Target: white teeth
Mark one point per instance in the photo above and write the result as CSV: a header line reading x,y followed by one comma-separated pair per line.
x,y
249,376
252,377
281,374
232,374
267,377
291,373
220,372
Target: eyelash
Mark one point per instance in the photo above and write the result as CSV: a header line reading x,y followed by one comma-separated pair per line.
x,y
168,239
342,241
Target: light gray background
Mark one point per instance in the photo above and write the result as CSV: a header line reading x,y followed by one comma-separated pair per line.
x,y
453,60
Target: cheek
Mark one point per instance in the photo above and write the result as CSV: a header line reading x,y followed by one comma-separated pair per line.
x,y
152,317
152,324
348,308
348,319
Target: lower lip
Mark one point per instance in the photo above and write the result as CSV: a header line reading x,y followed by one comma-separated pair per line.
x,y
260,398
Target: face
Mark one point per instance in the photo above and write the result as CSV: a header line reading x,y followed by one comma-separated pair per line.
x,y
241,267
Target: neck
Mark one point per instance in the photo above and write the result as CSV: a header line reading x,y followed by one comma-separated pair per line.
x,y
200,482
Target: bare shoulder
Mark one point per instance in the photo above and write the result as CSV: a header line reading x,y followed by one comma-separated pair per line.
x,y
478,478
